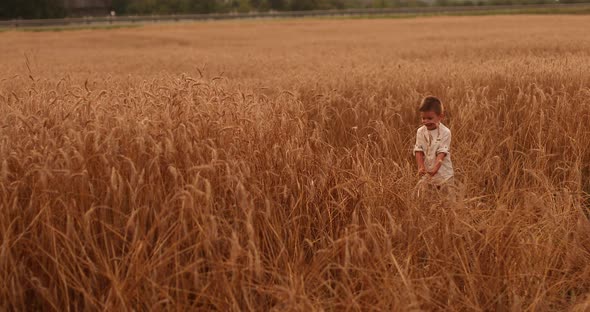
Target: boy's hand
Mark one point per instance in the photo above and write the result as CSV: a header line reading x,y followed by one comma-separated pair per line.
x,y
437,166
422,171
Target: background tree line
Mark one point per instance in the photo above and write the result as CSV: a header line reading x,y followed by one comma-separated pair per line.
x,y
11,9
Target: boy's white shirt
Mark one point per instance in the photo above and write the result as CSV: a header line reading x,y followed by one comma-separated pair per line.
x,y
432,142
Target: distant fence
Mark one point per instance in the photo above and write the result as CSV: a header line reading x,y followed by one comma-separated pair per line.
x,y
291,14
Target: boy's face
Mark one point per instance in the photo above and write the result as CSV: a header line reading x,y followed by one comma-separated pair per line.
x,y
431,119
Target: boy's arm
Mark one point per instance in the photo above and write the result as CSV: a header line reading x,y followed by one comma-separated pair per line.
x,y
441,153
420,163
439,160
419,153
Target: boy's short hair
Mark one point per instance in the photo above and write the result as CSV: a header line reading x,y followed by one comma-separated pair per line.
x,y
431,104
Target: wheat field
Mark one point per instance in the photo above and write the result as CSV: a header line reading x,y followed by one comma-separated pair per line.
x,y
267,166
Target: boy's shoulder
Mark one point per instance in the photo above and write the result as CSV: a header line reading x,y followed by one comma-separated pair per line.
x,y
444,129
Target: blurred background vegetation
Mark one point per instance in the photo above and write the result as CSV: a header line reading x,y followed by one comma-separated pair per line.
x,y
34,9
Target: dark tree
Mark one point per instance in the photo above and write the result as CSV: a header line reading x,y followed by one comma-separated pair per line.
x,y
120,6
303,5
30,9
277,4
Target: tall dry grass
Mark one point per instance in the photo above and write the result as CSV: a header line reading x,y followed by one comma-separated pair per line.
x,y
286,182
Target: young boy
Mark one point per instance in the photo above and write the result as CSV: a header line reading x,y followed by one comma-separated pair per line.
x,y
432,149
